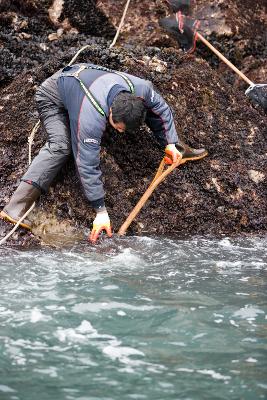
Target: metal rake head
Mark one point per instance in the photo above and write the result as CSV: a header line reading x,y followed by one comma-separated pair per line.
x,y
258,94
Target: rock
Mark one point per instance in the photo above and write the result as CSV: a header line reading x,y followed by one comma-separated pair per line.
x,y
222,194
53,36
56,35
256,176
24,35
55,11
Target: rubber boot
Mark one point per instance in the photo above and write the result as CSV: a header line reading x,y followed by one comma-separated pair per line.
x,y
24,196
190,154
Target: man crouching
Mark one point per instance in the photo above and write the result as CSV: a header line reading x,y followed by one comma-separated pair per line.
x,y
75,105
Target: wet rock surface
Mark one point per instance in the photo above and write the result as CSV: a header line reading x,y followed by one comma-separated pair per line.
x,y
236,28
30,30
224,193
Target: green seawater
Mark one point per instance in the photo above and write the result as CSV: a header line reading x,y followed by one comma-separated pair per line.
x,y
135,318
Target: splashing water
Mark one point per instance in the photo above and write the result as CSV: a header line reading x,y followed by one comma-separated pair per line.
x,y
135,318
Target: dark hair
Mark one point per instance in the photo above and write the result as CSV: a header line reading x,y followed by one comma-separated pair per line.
x,y
129,109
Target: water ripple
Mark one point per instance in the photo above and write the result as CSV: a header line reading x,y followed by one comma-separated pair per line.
x,y
135,318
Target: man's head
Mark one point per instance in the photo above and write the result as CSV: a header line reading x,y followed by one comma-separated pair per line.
x,y
127,112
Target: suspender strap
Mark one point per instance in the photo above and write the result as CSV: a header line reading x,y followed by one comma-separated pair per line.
x,y
87,92
127,80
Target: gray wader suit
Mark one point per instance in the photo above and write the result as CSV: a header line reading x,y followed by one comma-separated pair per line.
x,y
75,120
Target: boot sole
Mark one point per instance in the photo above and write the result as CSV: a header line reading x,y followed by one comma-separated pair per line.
x,y
184,160
6,217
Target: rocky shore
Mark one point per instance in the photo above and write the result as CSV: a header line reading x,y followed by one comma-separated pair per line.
x,y
224,193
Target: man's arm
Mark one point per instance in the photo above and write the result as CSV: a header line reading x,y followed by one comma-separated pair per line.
x,y
87,161
159,117
88,165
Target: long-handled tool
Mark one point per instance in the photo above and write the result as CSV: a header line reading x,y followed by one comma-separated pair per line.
x,y
158,178
256,92
184,30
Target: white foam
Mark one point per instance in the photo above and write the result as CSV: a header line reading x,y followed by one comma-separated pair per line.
x,y
86,327
127,259
6,389
232,322
109,345
198,336
185,370
80,334
121,313
55,307
70,335
182,344
121,353
165,385
244,279
210,372
50,371
5,312
173,273
36,316
262,385
251,360
82,308
213,374
155,277
110,287
16,355
248,312
242,294
225,243
252,340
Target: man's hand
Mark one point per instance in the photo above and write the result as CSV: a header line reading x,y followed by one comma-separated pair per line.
x,y
101,223
172,154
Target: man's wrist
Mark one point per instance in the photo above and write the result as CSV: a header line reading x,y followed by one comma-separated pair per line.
x,y
101,210
99,205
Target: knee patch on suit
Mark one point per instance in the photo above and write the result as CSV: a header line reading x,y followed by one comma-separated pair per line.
x,y
60,148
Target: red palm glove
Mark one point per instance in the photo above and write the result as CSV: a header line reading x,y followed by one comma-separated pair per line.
x,y
172,154
101,223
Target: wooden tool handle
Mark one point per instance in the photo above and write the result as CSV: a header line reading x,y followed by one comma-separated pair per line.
x,y
156,181
224,59
159,171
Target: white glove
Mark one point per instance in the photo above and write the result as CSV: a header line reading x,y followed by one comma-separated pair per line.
x,y
101,222
172,154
